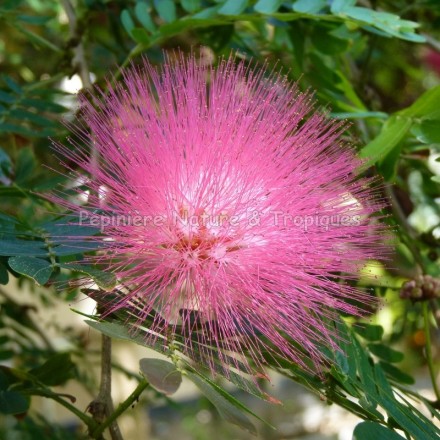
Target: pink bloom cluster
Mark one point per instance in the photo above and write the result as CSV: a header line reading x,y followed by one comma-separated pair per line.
x,y
190,141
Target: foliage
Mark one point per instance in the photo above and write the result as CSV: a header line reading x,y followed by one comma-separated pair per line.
x,y
371,62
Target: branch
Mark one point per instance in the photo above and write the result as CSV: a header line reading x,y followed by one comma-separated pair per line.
x,y
89,422
102,407
133,397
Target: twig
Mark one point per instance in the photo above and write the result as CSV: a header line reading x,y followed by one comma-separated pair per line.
x,y
88,421
133,397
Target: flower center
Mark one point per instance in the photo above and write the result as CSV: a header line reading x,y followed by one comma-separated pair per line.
x,y
201,236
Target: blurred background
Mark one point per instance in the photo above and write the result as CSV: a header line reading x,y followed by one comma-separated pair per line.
x,y
367,61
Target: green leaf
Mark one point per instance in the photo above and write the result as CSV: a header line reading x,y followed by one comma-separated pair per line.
x,y
37,39
397,374
267,6
370,332
386,353
339,5
309,6
7,98
346,360
363,14
387,166
77,248
26,115
426,106
13,85
57,370
371,408
22,248
36,268
112,329
207,13
326,43
12,402
162,375
229,408
140,35
346,86
389,24
166,10
295,35
397,126
6,127
129,332
404,416
427,131
233,7
191,6
374,431
25,165
365,370
105,280
43,105
127,21
69,227
34,19
117,331
393,131
142,12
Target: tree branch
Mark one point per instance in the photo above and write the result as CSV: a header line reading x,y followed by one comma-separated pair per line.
x,y
102,407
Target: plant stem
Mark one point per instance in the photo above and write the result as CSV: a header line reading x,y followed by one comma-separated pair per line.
x,y
102,407
429,358
133,397
88,421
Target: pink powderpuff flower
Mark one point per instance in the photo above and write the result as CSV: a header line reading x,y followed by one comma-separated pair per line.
x,y
229,208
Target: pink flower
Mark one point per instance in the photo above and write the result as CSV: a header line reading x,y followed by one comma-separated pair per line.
x,y
229,208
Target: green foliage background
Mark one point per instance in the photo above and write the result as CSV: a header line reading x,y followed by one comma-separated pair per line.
x,y
375,63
